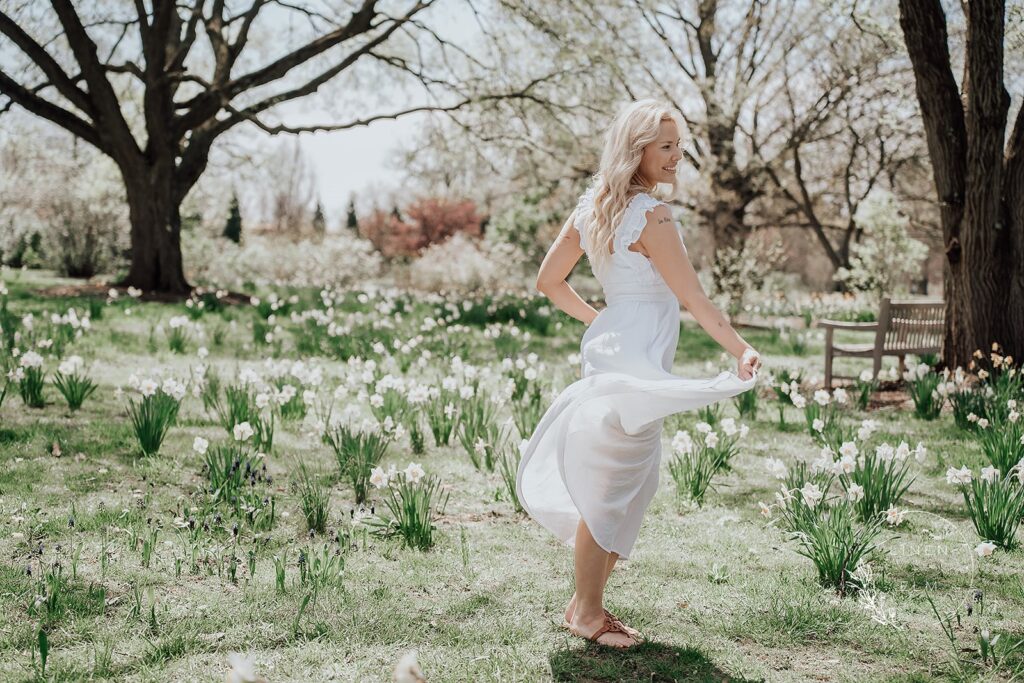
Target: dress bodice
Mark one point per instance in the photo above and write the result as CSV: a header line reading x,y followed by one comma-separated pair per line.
x,y
627,273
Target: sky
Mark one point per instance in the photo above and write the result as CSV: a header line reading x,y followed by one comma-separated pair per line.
x,y
368,158
354,161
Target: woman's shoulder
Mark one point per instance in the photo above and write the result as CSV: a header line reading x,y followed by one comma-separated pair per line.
x,y
644,202
586,200
644,208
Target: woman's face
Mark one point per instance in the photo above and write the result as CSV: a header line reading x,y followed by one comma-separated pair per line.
x,y
660,158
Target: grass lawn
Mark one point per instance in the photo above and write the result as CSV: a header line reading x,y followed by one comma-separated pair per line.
x,y
719,591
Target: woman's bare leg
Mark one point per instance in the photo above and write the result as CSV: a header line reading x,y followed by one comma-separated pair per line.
x,y
592,568
612,559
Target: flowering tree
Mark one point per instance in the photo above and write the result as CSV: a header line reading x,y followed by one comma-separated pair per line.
x,y
887,258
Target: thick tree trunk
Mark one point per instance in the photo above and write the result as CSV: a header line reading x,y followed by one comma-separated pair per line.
x,y
986,245
726,216
155,233
977,201
1013,204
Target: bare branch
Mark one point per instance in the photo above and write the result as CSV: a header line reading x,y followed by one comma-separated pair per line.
x,y
37,105
104,100
46,63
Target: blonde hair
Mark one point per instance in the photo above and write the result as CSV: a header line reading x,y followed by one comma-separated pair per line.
x,y
618,178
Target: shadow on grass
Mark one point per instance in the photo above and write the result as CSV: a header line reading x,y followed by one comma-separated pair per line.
x,y
649,661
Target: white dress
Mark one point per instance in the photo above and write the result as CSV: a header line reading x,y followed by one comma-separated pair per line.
x,y
597,449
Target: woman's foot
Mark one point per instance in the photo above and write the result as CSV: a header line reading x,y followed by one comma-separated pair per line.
x,y
603,630
571,609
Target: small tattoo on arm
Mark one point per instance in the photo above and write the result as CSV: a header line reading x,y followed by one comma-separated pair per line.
x,y
664,220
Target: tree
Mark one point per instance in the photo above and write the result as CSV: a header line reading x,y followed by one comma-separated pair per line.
x,y
233,227
351,220
978,173
319,221
755,81
78,63
291,186
871,141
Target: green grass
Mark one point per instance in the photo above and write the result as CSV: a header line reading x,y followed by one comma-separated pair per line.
x,y
720,594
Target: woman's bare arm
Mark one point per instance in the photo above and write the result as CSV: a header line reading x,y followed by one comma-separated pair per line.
x,y
563,254
668,255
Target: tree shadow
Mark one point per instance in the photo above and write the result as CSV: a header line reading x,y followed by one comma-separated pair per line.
x,y
649,661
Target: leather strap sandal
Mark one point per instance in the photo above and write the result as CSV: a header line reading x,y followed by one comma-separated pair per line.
x,y
630,631
609,626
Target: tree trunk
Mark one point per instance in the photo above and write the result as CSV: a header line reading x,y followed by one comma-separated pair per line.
x,y
154,211
732,192
1013,203
978,201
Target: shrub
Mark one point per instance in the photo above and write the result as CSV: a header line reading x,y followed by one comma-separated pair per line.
x,y
155,412
73,384
695,462
878,479
886,259
1002,440
427,222
314,498
337,260
61,208
461,264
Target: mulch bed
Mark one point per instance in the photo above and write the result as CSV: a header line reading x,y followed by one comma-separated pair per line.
x,y
99,289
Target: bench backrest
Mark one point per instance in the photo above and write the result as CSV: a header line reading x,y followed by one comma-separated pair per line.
x,y
911,325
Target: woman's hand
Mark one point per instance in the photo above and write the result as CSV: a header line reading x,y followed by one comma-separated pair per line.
x,y
748,363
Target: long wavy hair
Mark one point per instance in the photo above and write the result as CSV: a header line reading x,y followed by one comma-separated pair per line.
x,y
619,179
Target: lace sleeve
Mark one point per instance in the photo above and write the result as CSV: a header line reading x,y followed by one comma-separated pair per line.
x,y
635,219
584,207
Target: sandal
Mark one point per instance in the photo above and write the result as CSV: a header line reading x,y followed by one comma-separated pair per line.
x,y
610,625
630,631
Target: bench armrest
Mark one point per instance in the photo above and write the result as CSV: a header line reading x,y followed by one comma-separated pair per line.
x,y
843,325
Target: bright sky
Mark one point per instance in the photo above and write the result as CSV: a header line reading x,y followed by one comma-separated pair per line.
x,y
352,161
358,159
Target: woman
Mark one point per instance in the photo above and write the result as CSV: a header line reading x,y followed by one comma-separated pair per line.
x,y
590,469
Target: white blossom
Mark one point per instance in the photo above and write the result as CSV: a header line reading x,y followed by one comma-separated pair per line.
x,y
958,476
989,474
811,494
894,516
776,468
242,431
855,492
378,477
414,472
985,548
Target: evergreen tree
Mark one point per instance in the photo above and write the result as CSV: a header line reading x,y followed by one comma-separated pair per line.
x,y
233,228
352,222
319,221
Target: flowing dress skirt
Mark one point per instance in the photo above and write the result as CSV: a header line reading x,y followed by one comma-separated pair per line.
x,y
596,452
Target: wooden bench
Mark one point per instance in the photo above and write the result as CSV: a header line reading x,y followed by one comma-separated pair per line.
x,y
904,326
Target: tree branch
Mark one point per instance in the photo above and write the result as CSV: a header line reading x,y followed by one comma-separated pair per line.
x,y
104,99
50,111
49,66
